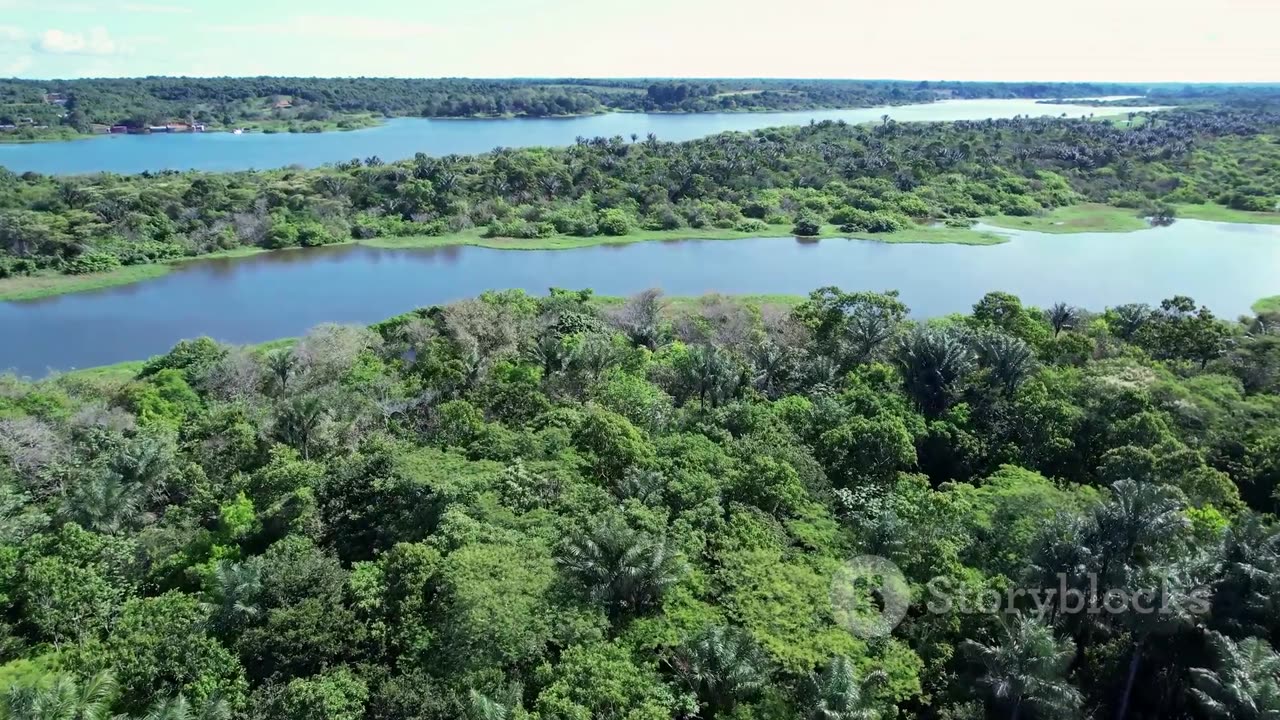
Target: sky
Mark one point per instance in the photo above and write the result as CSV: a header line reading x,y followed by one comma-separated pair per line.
x,y
1077,40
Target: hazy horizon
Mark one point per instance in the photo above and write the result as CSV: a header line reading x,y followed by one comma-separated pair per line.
x,y
1140,42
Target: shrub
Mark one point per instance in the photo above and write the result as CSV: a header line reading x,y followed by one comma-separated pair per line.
x,y
855,220
664,218
751,225
1129,199
614,222
757,210
1019,205
517,228
807,225
283,234
311,233
91,262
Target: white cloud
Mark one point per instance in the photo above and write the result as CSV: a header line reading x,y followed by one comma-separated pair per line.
x,y
335,26
60,42
157,9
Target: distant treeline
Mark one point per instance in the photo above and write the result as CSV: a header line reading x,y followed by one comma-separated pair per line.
x,y
222,102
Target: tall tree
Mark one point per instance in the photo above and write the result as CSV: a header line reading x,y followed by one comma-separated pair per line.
x,y
1027,671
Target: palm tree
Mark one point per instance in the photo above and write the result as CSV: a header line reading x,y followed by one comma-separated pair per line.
x,y
281,364
708,373
179,708
1028,670
105,503
838,693
593,356
232,596
1245,681
933,361
1010,360
62,699
502,705
550,353
773,366
1062,317
1127,320
1172,592
722,666
297,421
626,570
1138,520
1248,590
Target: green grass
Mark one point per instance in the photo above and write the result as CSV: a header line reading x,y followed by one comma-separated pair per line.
x,y
116,374
1088,217
475,237
48,284
52,134
1267,305
359,121
1221,213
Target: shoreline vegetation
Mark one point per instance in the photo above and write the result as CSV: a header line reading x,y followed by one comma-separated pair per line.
x,y
889,182
54,110
1088,217
672,305
34,287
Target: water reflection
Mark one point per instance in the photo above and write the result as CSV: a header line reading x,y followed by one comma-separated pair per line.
x,y
271,295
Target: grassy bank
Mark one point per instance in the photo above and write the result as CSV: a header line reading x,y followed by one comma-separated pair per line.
x,y
1087,217
52,134
342,123
475,237
48,284
1221,213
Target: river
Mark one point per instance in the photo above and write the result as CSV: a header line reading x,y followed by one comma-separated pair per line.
x,y
272,295
403,137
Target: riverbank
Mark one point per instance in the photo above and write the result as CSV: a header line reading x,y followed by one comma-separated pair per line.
x,y
1220,213
1086,217
25,136
122,372
48,284
33,287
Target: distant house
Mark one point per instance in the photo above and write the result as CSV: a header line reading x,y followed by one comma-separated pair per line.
x,y
55,98
178,127
98,129
26,121
158,128
283,104
8,127
119,129
198,127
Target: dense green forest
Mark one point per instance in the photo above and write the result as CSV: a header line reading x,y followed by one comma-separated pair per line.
x,y
825,177
303,104
564,507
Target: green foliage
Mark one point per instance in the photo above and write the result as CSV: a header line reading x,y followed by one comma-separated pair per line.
x,y
569,507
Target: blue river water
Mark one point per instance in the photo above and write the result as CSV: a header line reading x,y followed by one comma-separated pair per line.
x,y
281,294
403,137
